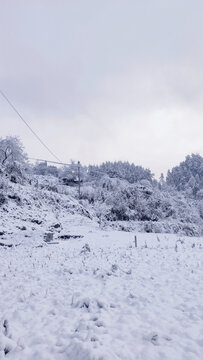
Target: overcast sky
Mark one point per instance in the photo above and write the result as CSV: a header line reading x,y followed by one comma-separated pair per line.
x,y
104,79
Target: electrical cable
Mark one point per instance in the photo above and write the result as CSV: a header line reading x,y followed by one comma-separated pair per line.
x,y
29,127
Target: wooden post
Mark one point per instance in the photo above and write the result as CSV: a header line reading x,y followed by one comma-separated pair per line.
x,y
79,179
135,241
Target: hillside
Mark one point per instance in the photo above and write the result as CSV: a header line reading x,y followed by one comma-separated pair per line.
x,y
29,208
43,203
115,194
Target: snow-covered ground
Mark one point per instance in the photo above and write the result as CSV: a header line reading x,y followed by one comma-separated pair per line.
x,y
99,297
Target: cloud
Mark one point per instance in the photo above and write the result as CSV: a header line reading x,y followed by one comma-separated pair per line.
x,y
105,80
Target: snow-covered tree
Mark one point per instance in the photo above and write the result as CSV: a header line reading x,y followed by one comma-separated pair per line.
x,y
161,181
13,160
120,170
188,176
11,151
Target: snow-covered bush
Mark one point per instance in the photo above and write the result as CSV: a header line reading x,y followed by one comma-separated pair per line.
x,y
88,193
201,209
158,209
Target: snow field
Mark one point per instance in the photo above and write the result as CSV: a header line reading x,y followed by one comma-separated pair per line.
x,y
100,298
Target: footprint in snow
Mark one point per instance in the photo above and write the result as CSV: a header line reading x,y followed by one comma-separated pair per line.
x,y
153,338
6,344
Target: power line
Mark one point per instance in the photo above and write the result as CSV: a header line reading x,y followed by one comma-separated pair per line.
x,y
29,127
52,162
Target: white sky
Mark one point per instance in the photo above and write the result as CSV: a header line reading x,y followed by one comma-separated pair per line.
x,y
104,80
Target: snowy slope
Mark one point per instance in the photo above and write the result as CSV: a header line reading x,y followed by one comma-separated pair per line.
x,y
30,208
99,297
45,203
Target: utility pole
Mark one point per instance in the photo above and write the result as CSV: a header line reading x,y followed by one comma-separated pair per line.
x,y
79,179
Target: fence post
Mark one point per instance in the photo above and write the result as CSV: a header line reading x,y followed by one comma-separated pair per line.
x,y
135,241
79,179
